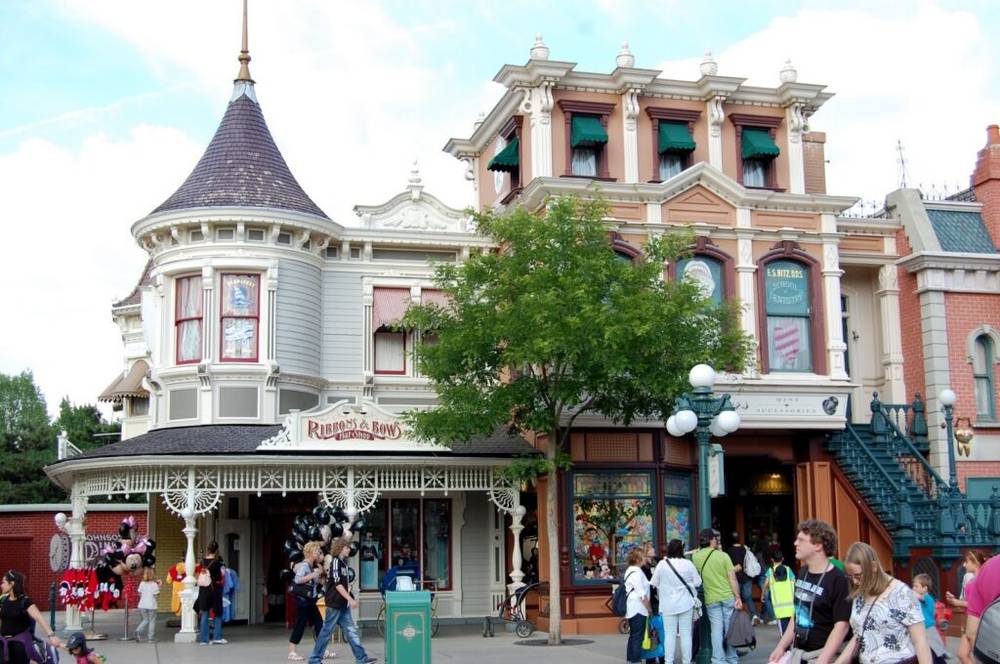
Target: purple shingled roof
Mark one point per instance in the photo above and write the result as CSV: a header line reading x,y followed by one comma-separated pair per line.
x,y
242,167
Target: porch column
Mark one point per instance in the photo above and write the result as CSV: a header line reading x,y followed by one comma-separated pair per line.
x,y
894,390
188,629
76,528
831,272
516,559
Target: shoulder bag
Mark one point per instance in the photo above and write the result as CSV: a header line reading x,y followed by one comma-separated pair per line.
x,y
696,610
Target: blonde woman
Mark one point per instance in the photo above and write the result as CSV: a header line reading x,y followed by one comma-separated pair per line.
x,y
148,590
886,617
305,592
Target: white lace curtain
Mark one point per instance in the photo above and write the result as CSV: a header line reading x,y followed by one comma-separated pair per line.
x,y
189,318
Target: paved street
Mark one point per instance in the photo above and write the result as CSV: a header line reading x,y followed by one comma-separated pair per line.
x,y
267,643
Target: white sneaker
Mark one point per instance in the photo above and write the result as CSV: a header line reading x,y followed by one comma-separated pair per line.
x,y
329,654
220,642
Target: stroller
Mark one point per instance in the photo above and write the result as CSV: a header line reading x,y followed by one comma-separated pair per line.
x,y
37,649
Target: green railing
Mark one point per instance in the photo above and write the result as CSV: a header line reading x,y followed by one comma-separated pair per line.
x,y
907,494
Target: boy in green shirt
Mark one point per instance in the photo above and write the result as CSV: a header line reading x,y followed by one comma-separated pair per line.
x,y
722,594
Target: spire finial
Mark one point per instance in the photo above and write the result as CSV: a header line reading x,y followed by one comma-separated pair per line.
x,y
244,58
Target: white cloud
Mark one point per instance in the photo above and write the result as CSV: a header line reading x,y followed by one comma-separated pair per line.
x,y
66,252
923,78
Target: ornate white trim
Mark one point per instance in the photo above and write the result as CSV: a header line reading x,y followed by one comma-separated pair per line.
x,y
201,486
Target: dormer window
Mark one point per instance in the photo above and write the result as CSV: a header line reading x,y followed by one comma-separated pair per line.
x,y
586,138
755,142
673,142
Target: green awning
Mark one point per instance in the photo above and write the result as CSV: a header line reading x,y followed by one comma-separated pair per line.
x,y
508,159
587,131
675,137
758,144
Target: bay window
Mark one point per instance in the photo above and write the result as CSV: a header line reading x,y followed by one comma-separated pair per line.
x,y
240,317
188,319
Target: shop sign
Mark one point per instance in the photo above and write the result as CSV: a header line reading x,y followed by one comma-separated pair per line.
x,y
342,427
787,288
801,410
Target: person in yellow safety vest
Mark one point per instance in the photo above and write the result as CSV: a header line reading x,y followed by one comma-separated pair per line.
x,y
780,582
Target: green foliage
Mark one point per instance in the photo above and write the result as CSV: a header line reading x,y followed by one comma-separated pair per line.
x,y
556,324
529,468
28,439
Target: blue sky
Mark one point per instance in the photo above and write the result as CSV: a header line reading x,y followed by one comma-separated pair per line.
x,y
106,106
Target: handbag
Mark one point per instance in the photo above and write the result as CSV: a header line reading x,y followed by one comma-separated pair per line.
x,y
696,609
654,632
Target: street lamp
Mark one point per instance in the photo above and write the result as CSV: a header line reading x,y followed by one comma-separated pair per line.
x,y
947,398
707,415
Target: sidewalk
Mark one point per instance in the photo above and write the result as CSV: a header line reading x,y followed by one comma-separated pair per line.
x,y
269,643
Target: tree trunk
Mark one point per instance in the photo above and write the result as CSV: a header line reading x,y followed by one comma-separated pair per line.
x,y
552,528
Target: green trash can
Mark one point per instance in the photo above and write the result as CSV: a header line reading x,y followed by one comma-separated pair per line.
x,y
408,627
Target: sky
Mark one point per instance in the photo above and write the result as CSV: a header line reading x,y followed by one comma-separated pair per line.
x,y
106,106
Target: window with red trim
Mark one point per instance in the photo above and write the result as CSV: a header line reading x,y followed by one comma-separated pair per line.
x,y
240,317
188,319
390,352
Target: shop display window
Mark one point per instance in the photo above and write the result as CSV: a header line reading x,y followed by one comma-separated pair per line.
x,y
677,508
612,512
407,532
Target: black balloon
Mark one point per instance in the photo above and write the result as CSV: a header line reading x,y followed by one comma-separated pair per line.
x,y
354,550
338,514
296,556
150,546
359,525
336,529
148,560
321,515
300,519
314,534
350,575
290,546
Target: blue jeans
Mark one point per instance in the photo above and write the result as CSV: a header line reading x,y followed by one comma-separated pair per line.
x,y
766,610
746,594
636,630
719,615
343,618
203,627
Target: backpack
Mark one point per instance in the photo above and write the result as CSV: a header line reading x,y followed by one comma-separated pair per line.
x,y
751,566
987,647
740,633
619,599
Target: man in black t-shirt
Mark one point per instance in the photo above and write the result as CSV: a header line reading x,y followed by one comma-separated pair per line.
x,y
738,554
822,606
339,603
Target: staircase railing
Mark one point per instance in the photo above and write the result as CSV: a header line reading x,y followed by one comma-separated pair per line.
x,y
909,418
905,452
978,520
880,488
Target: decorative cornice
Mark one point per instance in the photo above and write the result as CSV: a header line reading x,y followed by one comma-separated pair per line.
x,y
934,260
700,174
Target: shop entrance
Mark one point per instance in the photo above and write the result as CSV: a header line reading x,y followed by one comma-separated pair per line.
x,y
759,504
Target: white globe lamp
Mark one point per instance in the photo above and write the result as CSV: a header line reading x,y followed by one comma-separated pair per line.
x,y
729,420
686,421
947,397
702,375
672,427
716,429
60,519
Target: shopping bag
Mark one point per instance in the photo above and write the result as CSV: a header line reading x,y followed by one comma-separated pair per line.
x,y
647,643
654,631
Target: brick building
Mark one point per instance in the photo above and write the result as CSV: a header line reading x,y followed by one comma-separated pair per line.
x,y
949,283
30,542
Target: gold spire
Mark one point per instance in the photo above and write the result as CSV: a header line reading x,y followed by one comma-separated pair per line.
x,y
244,58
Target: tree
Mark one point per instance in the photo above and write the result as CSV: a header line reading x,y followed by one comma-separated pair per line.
x,y
83,424
22,405
554,325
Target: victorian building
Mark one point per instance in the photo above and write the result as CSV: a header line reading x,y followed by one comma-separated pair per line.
x,y
263,376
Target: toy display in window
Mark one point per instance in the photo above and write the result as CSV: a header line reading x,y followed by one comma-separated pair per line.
x,y
371,553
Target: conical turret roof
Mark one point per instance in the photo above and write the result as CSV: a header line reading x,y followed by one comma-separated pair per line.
x,y
242,166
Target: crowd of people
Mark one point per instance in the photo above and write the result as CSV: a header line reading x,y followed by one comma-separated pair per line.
x,y
829,612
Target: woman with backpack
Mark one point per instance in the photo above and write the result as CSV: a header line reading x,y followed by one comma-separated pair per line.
x,y
209,601
17,612
305,592
636,589
779,586
675,579
886,617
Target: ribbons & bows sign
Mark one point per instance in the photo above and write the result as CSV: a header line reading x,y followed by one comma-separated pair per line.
x,y
344,426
